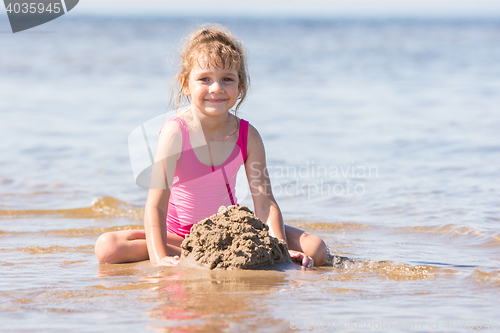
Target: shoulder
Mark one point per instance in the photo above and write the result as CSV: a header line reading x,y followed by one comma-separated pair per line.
x,y
171,138
176,124
172,127
255,145
253,134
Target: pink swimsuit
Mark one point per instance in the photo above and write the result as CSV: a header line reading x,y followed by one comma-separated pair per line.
x,y
198,189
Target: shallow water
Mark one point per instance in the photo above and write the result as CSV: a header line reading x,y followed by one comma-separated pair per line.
x,y
381,137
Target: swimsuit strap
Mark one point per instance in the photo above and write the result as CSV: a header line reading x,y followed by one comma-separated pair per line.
x,y
243,138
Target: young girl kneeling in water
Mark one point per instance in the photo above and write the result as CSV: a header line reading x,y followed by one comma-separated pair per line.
x,y
198,156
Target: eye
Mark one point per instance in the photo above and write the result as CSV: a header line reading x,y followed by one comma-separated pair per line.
x,y
228,79
203,79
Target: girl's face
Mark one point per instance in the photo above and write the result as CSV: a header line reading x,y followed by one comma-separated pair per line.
x,y
213,90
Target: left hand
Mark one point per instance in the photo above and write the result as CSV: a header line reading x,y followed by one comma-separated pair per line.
x,y
306,261
168,261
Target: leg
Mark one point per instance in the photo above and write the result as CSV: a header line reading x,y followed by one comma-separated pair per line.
x,y
313,246
130,246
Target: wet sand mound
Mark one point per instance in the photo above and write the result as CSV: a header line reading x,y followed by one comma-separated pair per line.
x,y
233,239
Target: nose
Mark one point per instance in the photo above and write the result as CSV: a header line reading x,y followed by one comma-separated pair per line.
x,y
215,87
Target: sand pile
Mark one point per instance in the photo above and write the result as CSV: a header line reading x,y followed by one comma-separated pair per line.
x,y
234,238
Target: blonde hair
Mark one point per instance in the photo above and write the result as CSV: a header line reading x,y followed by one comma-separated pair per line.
x,y
220,49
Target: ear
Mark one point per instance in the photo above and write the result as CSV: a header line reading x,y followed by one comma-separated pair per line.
x,y
184,86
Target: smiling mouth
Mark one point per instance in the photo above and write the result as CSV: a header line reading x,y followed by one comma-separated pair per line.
x,y
215,100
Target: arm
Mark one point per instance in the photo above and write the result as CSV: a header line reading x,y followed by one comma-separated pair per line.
x,y
265,205
167,154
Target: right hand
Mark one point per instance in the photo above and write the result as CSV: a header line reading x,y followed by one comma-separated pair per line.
x,y
305,260
168,261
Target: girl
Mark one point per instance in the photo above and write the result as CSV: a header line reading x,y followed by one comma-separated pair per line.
x,y
198,155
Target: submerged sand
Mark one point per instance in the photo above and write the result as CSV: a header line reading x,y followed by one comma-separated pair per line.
x,y
234,238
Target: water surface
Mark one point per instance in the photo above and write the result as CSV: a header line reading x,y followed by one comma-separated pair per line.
x,y
381,137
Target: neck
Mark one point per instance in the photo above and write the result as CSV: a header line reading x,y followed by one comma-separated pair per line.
x,y
212,125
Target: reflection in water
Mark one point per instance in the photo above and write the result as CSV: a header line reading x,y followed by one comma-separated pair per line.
x,y
199,299
212,300
189,299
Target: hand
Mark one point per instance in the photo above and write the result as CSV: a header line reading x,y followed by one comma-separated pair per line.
x,y
302,258
168,261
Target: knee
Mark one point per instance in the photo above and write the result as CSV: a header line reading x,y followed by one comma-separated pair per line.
x,y
321,255
106,247
316,249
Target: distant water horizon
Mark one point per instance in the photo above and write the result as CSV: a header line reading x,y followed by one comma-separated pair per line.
x,y
361,9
